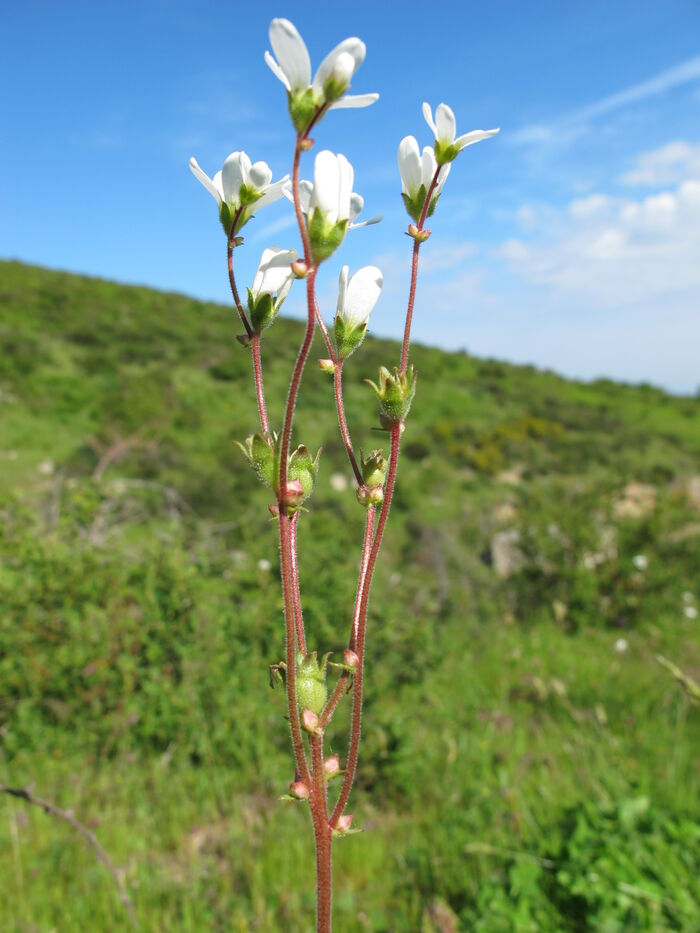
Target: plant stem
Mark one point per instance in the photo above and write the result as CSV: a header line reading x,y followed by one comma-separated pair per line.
x,y
291,660
345,433
323,838
296,593
259,388
232,279
414,273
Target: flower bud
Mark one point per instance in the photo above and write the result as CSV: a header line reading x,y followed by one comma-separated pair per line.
x,y
303,468
344,822
306,144
309,722
331,766
338,80
420,235
299,790
300,269
351,658
294,494
261,451
373,468
327,366
370,495
395,393
311,682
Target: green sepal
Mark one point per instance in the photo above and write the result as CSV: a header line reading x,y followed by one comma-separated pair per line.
x,y
262,311
414,205
348,339
373,468
395,393
312,692
346,832
261,451
445,153
325,237
334,89
304,467
302,108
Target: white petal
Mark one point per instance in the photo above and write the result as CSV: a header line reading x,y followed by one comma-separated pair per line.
x,y
342,290
204,179
291,53
347,174
357,202
353,47
349,101
409,165
260,175
366,223
276,70
468,139
442,177
306,189
219,185
364,289
274,192
326,184
428,166
445,123
273,270
428,114
233,176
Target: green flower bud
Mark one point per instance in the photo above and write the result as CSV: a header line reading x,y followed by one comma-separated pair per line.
x,y
262,310
348,336
311,682
325,235
395,393
302,107
261,451
373,468
304,469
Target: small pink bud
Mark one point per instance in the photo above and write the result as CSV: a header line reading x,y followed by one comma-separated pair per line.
x,y
273,509
299,790
309,721
420,235
306,144
327,366
344,822
331,766
351,659
300,269
295,492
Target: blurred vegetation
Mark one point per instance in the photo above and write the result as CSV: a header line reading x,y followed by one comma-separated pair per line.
x,y
527,764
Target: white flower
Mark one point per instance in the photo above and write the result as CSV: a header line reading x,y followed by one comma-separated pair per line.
x,y
358,295
274,275
640,561
240,186
293,68
331,191
447,144
271,285
690,612
417,172
621,645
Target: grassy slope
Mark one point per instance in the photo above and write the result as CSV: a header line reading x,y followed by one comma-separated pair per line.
x,y
517,772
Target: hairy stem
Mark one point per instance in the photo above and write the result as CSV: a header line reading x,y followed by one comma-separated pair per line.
x,y
323,838
296,593
230,245
290,632
342,421
259,388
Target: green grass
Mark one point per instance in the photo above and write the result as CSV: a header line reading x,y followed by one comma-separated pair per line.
x,y
517,771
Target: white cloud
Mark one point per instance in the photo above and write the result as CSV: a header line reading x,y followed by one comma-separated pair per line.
x,y
668,165
577,122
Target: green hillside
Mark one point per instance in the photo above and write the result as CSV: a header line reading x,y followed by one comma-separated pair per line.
x,y
528,763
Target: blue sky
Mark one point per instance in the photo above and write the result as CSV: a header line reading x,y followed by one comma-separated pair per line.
x,y
572,240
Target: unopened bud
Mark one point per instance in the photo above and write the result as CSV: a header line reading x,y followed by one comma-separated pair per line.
x,y
344,822
300,269
274,509
370,495
299,790
294,493
327,366
309,722
420,235
351,659
331,766
306,144
243,339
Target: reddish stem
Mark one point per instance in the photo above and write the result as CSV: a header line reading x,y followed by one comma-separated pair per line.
x,y
333,700
342,421
232,278
259,388
414,274
296,594
323,837
291,660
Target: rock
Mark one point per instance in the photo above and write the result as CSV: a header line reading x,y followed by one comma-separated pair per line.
x,y
638,500
506,556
